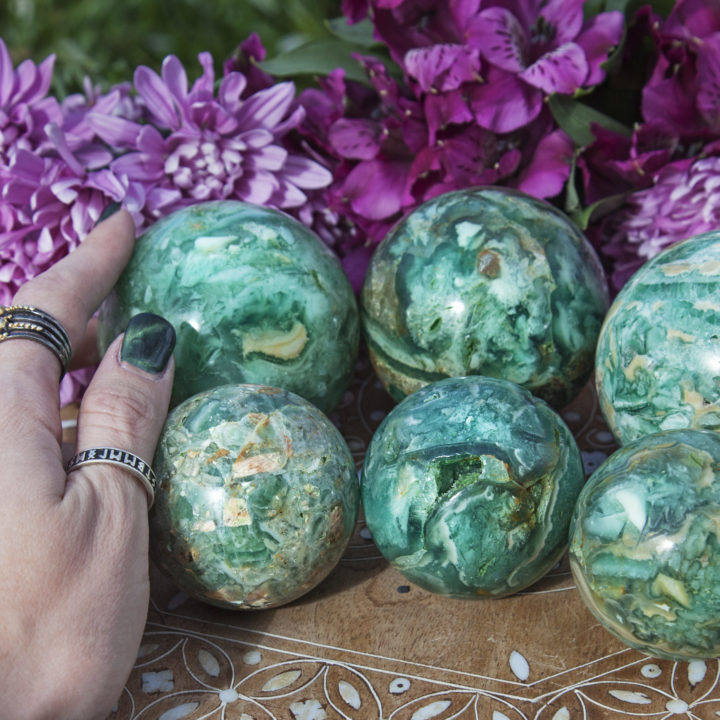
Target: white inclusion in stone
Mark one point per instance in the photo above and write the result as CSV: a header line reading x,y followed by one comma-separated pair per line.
x,y
651,670
634,507
572,416
562,714
365,534
228,696
497,715
677,706
696,671
519,665
399,686
154,682
252,657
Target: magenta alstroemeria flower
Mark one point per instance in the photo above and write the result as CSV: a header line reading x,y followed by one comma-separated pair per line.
x,y
546,47
684,90
195,145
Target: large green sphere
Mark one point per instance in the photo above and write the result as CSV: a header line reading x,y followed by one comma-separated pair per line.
x,y
658,356
257,496
484,281
254,296
469,485
644,547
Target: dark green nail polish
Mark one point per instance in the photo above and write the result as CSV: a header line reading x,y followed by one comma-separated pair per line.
x,y
148,343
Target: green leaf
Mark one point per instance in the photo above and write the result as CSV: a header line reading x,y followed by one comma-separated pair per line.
x,y
575,118
361,33
583,217
318,57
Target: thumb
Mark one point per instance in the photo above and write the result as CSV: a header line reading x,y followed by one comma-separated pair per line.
x,y
126,404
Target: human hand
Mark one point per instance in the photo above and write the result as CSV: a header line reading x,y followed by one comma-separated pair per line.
x,y
74,548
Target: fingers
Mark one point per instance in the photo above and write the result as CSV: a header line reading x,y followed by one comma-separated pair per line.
x,y
126,404
70,291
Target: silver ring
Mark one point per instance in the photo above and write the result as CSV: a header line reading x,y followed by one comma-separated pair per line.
x,y
25,321
121,458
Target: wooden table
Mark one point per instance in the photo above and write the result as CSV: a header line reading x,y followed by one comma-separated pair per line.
x,y
368,645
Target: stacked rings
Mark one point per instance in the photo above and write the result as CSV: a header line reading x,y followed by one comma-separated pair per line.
x,y
121,458
24,321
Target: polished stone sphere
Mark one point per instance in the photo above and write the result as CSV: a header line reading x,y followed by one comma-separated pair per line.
x,y
658,355
484,281
257,497
644,546
253,295
469,485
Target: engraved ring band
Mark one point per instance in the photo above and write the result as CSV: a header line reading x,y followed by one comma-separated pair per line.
x,y
119,458
25,321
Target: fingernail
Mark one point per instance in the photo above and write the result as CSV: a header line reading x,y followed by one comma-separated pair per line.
x,y
148,343
109,210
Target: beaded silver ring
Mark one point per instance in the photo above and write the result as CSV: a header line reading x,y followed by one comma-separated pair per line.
x,y
25,321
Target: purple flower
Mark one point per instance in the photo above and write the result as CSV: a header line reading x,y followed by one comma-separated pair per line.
x,y
682,201
193,145
537,48
684,89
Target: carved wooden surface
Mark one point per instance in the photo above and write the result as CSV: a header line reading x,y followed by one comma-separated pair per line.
x,y
368,645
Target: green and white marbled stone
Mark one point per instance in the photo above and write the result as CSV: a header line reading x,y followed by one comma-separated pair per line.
x,y
257,497
645,544
254,297
658,356
484,281
469,485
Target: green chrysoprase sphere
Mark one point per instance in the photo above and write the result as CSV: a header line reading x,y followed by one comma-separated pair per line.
x,y
644,546
257,496
484,281
469,485
253,295
658,356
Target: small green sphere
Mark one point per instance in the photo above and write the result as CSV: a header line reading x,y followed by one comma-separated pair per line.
x,y
254,297
484,281
257,497
658,355
644,546
469,485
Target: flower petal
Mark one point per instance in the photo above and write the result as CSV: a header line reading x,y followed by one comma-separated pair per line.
x,y
114,130
267,107
563,70
175,78
565,17
549,168
442,67
708,98
375,187
156,96
355,139
7,75
501,39
505,103
306,173
600,33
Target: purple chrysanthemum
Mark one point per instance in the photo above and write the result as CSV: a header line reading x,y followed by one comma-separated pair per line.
x,y
192,145
683,201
